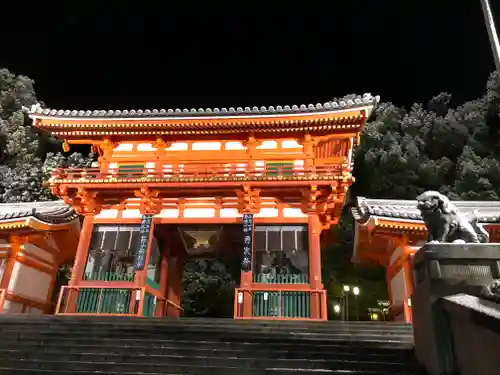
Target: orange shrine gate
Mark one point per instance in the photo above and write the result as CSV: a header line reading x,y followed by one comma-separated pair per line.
x,y
171,185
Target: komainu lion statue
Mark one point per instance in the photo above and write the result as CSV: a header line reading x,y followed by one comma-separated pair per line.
x,y
491,292
446,224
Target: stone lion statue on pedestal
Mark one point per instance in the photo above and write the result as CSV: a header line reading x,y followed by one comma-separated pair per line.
x,y
446,224
491,292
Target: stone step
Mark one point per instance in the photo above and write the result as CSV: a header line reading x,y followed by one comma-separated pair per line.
x,y
198,328
207,365
226,323
133,346
195,370
40,334
260,351
247,344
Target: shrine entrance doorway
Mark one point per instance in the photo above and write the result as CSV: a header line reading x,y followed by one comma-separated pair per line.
x,y
201,267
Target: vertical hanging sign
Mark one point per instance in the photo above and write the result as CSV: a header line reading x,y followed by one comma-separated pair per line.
x,y
142,250
246,259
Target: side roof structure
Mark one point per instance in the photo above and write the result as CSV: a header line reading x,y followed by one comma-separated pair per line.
x,y
365,209
381,223
36,215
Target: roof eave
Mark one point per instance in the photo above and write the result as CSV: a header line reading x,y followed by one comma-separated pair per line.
x,y
172,119
366,102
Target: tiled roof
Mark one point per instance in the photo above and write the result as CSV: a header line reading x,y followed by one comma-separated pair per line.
x,y
51,212
487,211
359,101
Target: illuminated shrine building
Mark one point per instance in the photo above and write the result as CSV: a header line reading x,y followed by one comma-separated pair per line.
x,y
261,184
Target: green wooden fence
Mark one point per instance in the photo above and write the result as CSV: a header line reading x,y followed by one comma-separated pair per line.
x,y
283,168
149,305
280,279
281,304
105,300
108,276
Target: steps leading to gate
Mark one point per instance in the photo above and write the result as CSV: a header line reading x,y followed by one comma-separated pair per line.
x,y
77,345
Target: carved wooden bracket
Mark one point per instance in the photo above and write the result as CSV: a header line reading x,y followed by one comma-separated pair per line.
x,y
310,197
332,199
150,203
307,140
248,200
161,143
251,143
17,240
85,202
107,147
328,221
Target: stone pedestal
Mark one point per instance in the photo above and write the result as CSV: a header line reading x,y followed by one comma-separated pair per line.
x,y
475,324
442,270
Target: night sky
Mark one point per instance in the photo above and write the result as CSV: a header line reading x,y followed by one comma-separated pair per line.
x,y
146,55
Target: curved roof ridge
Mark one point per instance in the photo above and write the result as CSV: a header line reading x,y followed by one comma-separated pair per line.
x,y
359,101
52,212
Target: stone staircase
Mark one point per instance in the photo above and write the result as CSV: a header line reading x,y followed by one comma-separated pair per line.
x,y
131,346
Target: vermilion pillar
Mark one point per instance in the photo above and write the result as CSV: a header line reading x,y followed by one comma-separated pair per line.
x,y
315,266
15,246
162,306
82,250
79,263
246,280
174,287
408,272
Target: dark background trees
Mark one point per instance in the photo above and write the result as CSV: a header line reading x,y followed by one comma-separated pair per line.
x,y
27,156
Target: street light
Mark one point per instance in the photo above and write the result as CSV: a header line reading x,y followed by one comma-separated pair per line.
x,y
347,288
355,291
336,309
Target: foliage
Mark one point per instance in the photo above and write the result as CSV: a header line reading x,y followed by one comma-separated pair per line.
x,y
208,287
452,150
25,158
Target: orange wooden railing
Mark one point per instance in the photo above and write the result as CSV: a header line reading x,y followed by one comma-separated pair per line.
x,y
331,148
186,171
84,300
280,304
402,310
112,301
3,293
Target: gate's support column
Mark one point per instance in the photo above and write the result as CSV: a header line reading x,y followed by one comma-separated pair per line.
x,y
248,206
174,287
162,306
79,263
246,283
318,304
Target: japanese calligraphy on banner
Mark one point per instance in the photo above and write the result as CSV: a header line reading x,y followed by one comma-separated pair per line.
x,y
246,259
142,250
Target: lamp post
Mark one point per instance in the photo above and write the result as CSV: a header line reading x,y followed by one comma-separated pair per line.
x,y
492,33
347,288
355,291
336,309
